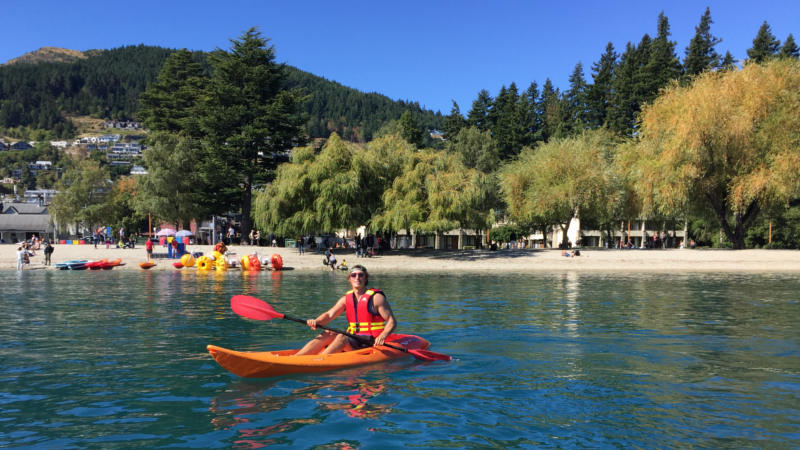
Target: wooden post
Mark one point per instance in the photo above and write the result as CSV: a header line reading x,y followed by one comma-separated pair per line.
x,y
770,232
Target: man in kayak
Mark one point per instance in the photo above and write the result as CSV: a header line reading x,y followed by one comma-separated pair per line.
x,y
368,314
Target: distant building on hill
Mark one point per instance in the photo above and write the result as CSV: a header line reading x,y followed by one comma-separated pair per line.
x,y
21,145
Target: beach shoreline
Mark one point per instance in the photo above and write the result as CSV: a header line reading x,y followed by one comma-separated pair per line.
x,y
456,261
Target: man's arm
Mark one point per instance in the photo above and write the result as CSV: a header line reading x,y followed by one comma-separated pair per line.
x,y
382,307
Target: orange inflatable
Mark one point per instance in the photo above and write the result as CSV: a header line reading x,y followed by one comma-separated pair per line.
x,y
255,264
277,262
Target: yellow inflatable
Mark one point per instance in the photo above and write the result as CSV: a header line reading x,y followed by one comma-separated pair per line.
x,y
204,263
187,260
221,263
217,255
245,260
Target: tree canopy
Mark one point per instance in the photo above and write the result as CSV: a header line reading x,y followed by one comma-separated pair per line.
x,y
562,179
727,143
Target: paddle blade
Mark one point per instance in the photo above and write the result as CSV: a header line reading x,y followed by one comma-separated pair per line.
x,y
426,355
253,308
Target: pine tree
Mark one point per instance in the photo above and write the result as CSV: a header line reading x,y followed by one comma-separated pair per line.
x,y
478,116
599,93
700,54
663,65
728,62
250,118
410,130
765,45
454,122
531,120
550,109
630,87
789,49
575,108
509,128
170,103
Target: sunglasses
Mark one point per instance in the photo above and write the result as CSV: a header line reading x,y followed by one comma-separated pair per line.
x,y
358,275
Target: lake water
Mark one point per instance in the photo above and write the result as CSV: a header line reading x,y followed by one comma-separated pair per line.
x,y
114,359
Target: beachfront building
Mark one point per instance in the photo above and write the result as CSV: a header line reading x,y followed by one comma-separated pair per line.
x,y
19,221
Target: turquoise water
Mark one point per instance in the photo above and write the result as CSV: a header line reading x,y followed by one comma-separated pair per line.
x,y
116,359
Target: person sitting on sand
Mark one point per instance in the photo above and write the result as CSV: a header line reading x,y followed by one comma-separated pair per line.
x,y
343,265
221,247
368,313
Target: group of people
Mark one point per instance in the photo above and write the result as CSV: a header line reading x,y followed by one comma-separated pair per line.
x,y
26,250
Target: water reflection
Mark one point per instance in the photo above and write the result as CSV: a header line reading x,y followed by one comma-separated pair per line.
x,y
355,393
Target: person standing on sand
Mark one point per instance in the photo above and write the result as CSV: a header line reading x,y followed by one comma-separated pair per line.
x,y
148,247
20,256
48,252
368,313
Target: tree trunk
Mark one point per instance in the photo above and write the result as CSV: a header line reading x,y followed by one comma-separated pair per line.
x,y
247,195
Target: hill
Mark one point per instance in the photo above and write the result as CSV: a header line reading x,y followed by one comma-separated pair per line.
x,y
40,90
48,54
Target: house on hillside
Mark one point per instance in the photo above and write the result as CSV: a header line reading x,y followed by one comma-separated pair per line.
x,y
21,145
20,221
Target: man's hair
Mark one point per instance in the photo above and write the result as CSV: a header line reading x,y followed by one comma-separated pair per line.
x,y
360,268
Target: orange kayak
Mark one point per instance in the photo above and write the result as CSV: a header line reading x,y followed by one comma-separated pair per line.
x,y
283,362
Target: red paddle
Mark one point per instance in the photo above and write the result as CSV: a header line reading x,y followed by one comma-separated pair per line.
x,y
253,308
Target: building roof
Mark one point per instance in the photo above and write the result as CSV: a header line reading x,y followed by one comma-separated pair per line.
x,y
12,208
26,222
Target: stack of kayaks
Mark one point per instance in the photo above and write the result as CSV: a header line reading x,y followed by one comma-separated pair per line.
x,y
283,362
82,264
73,264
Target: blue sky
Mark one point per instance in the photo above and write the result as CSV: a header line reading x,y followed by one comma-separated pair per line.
x,y
431,52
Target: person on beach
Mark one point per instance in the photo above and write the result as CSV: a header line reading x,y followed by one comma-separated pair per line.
x,y
148,247
332,261
367,311
48,252
20,257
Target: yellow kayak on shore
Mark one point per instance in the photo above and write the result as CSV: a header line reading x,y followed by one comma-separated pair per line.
x,y
283,362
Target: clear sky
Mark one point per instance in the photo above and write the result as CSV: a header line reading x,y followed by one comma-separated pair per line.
x,y
431,51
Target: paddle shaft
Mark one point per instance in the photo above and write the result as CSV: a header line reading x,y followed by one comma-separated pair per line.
x,y
354,336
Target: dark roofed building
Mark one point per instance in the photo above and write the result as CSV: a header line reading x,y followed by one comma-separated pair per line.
x,y
19,221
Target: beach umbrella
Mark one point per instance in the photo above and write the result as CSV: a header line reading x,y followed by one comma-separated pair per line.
x,y
166,232
183,233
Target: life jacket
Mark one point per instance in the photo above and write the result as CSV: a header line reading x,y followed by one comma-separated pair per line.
x,y
361,320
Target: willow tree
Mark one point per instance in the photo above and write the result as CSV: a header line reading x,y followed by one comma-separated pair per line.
x,y
727,144
341,187
435,192
82,193
561,180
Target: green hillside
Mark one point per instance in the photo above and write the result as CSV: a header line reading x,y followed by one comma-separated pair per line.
x,y
39,91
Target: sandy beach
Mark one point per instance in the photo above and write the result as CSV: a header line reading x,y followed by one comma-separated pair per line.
x,y
521,260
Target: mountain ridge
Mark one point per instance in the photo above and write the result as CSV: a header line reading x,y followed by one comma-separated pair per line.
x,y
48,54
